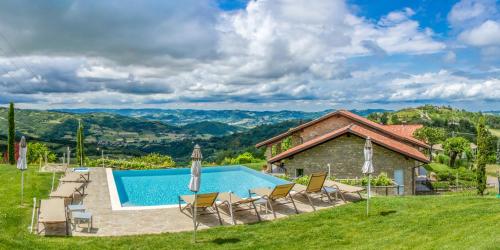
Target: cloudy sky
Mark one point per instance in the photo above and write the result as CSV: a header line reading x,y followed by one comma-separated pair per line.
x,y
259,55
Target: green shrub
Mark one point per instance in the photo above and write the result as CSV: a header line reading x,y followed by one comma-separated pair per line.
x,y
303,180
244,158
37,151
441,185
381,180
156,159
443,159
151,161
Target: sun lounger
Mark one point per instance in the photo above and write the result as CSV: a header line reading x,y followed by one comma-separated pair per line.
x,y
237,204
75,177
204,203
314,186
344,188
52,211
280,192
68,190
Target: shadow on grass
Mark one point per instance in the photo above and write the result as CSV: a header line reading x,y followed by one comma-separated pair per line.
x,y
220,241
385,213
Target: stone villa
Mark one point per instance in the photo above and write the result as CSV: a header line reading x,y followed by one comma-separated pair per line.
x,y
338,139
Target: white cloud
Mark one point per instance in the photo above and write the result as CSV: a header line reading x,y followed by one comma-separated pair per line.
x,y
444,85
486,34
289,51
468,13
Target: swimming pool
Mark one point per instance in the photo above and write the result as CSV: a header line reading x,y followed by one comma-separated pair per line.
x,y
142,189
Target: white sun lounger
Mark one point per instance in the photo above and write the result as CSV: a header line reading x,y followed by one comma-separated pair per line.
x,y
67,190
52,211
75,177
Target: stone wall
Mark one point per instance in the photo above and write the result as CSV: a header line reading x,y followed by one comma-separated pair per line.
x,y
345,155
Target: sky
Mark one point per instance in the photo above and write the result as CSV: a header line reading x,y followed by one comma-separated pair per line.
x,y
255,55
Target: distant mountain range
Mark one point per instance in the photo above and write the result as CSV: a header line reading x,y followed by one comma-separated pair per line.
x,y
240,118
127,132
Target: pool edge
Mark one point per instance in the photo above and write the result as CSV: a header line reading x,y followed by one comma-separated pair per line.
x,y
115,199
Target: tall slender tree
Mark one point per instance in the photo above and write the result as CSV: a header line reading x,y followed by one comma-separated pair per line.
x,y
80,155
11,136
482,155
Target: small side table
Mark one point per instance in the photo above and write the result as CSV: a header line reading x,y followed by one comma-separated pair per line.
x,y
82,217
262,202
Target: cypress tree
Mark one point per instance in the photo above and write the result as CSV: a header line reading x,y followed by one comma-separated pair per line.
x,y
482,155
79,144
11,136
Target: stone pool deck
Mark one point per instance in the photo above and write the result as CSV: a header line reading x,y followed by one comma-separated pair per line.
x,y
107,222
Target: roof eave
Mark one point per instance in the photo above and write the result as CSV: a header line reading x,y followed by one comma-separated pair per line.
x,y
285,155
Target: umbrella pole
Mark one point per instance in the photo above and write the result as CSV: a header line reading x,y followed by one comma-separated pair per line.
x,y
53,179
369,191
22,186
194,218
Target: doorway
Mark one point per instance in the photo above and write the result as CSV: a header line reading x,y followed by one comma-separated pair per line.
x,y
399,178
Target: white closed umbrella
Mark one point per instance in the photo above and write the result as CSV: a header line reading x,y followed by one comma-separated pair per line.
x,y
368,168
194,182
22,163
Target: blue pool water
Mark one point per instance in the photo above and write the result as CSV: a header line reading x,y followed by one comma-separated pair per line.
x,y
162,187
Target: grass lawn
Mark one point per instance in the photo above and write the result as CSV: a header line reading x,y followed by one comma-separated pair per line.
x,y
460,221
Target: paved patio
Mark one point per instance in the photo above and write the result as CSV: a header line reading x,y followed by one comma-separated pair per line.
x,y
107,222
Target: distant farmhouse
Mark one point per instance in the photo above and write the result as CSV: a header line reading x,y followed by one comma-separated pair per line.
x,y
338,139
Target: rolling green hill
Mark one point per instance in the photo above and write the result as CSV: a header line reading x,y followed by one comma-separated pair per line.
x,y
211,128
459,121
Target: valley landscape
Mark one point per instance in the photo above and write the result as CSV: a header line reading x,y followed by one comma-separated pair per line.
x,y
137,132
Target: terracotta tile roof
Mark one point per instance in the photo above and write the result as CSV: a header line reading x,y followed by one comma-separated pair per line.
x,y
405,130
360,131
357,118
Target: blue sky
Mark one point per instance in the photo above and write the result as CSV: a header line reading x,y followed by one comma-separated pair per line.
x,y
259,55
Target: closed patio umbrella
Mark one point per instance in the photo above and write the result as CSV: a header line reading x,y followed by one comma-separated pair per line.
x,y
194,182
368,168
22,163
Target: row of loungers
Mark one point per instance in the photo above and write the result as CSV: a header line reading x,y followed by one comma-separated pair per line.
x,y
317,185
54,211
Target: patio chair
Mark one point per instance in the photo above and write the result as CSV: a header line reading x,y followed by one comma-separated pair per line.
x,y
204,203
75,177
67,190
315,186
52,211
235,204
280,192
344,188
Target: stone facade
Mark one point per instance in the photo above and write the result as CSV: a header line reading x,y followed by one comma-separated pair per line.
x,y
328,125
345,155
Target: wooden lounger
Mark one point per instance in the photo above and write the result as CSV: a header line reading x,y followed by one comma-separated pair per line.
x,y
344,188
314,186
272,195
204,202
237,204
75,177
52,211
68,190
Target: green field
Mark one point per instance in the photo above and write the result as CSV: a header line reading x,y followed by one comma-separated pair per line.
x,y
460,221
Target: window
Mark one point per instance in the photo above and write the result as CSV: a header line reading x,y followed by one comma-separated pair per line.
x,y
299,172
